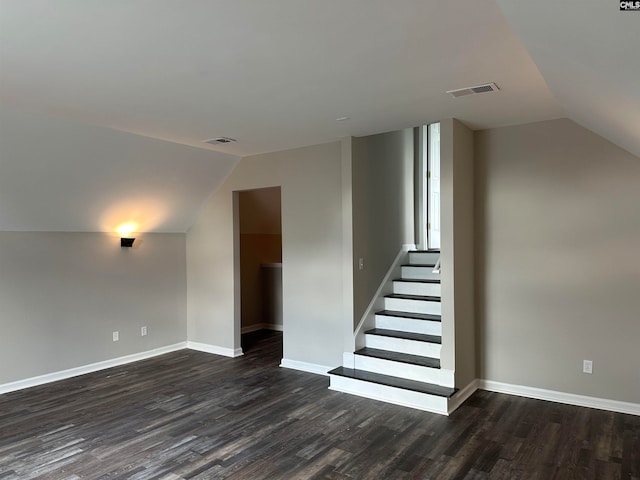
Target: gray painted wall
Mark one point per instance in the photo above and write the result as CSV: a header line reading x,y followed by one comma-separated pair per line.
x,y
558,269
457,250
63,294
383,211
557,229
312,272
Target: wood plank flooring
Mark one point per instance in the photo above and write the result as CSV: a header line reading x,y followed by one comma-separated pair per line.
x,y
192,415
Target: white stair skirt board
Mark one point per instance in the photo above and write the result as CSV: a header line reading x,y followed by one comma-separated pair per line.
x,y
404,324
398,369
417,288
305,366
348,359
397,396
412,347
561,397
447,379
413,306
215,349
414,272
423,258
92,367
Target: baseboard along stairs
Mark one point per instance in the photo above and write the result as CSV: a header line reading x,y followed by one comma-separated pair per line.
x,y
400,362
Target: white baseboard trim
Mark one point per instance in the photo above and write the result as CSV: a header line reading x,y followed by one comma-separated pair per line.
x,y
215,349
305,367
262,326
561,397
93,367
461,395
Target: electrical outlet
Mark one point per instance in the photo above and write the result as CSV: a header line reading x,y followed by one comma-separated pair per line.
x,y
587,366
361,264
143,331
116,336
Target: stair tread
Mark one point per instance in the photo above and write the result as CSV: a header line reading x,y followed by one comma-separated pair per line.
x,y
415,280
425,251
430,265
391,381
421,337
424,298
415,316
399,357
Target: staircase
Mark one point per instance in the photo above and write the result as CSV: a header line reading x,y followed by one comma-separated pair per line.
x,y
400,362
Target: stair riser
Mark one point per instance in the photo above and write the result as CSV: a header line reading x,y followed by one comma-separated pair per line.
x,y
397,396
411,272
408,325
397,369
412,347
422,258
411,288
413,306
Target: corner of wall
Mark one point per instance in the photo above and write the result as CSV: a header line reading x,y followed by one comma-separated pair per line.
x,y
346,150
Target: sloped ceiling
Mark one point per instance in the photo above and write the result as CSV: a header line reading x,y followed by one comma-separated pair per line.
x,y
59,175
587,51
103,101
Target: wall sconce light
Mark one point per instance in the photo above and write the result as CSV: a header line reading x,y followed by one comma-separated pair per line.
x,y
127,241
125,230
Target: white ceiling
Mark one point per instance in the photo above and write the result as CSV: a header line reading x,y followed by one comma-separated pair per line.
x,y
273,75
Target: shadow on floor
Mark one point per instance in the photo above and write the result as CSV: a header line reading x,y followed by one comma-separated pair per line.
x,y
267,342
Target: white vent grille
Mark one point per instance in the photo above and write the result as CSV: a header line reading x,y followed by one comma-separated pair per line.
x,y
486,88
219,140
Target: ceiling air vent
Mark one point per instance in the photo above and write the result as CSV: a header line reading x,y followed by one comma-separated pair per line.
x,y
219,140
486,88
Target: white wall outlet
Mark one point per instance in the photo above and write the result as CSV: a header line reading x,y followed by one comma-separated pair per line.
x,y
143,331
587,366
361,264
116,336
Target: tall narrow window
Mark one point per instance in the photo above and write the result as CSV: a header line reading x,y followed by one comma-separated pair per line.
x,y
433,186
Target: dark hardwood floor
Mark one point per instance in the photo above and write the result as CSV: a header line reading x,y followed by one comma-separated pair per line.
x,y
192,415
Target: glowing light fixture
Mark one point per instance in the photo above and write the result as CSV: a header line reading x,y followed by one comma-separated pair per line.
x,y
125,230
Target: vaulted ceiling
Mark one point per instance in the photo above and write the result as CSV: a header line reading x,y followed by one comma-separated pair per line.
x,y
104,106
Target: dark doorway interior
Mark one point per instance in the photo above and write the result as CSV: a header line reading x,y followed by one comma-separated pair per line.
x,y
260,229
263,344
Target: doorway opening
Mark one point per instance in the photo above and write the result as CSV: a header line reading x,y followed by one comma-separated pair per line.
x,y
259,264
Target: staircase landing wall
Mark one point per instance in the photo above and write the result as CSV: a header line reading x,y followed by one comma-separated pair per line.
x,y
457,251
383,212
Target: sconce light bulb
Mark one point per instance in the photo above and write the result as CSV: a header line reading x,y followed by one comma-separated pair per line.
x,y
126,229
